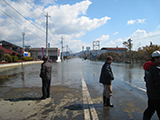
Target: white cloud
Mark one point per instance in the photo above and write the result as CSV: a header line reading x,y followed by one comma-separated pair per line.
x,y
119,40
131,22
136,21
47,2
103,38
110,44
141,36
69,21
141,20
115,33
139,33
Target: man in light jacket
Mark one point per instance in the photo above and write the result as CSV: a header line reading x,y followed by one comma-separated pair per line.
x,y
106,78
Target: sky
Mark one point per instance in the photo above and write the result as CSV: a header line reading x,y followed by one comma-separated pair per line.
x,y
80,23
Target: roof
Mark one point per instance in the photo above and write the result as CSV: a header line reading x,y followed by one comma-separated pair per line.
x,y
7,50
4,43
39,49
113,48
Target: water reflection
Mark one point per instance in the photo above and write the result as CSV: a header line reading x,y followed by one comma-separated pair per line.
x,y
131,73
22,73
69,73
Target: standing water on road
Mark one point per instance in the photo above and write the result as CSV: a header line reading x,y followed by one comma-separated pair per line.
x,y
69,73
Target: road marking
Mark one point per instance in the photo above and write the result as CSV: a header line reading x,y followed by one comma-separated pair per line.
x,y
144,90
89,110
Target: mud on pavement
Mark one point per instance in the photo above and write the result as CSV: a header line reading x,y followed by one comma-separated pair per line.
x,y
23,103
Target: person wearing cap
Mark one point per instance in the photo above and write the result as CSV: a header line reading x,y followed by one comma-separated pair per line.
x,y
152,79
45,74
106,78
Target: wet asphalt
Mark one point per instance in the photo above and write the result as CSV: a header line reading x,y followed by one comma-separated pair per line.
x,y
70,99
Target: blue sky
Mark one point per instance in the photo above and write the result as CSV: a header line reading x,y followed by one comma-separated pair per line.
x,y
80,22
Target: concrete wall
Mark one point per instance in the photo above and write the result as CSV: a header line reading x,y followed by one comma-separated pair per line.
x,y
18,64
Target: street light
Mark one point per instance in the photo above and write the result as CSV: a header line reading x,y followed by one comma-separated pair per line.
x,y
23,34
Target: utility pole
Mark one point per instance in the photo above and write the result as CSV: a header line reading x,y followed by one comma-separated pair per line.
x,y
62,48
129,41
66,48
46,33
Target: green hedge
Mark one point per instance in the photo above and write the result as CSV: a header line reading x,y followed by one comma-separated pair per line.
x,y
27,58
14,58
8,58
2,57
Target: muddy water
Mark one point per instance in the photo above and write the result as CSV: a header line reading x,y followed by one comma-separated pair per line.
x,y
69,73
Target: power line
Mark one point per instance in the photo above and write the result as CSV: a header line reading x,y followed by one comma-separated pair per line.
x,y
20,23
36,5
27,19
39,17
50,28
50,25
32,13
147,37
23,16
33,6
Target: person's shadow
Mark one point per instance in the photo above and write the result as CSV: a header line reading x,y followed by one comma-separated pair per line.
x,y
22,99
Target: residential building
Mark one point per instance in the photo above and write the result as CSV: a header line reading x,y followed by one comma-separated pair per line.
x,y
9,48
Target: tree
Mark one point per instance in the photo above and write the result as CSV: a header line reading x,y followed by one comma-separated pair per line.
x,y
1,54
127,45
148,50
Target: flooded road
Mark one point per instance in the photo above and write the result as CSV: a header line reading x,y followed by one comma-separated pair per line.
x,y
76,92
68,73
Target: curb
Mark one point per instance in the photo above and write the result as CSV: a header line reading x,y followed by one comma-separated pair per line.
x,y
18,64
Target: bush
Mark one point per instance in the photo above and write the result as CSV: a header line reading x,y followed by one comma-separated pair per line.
x,y
8,58
14,58
1,55
27,58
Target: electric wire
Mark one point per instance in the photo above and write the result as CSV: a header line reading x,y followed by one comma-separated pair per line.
x,y
26,18
40,11
32,13
20,24
23,16
49,26
147,37
52,19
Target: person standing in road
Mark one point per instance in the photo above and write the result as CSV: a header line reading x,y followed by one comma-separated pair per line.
x,y
106,78
45,74
152,79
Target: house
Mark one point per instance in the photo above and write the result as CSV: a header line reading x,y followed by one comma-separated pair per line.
x,y
9,48
117,49
8,51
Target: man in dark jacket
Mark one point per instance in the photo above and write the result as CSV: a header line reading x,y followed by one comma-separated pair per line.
x,y
152,79
46,69
106,78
